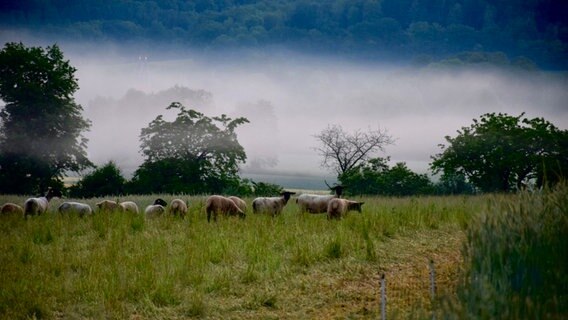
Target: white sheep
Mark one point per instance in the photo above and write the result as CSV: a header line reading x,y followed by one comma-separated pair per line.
x,y
157,209
314,203
178,208
39,205
218,204
337,208
129,206
75,207
11,209
271,205
239,202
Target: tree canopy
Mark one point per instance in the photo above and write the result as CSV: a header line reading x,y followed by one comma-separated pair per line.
x,y
192,154
500,152
41,125
376,177
106,180
393,28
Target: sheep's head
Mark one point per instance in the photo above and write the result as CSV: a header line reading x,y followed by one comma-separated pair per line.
x,y
337,189
161,202
287,194
51,193
357,206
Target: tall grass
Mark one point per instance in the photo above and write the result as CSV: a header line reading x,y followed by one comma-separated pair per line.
x,y
516,259
292,266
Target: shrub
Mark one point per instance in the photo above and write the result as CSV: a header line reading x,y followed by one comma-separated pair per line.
x,y
103,181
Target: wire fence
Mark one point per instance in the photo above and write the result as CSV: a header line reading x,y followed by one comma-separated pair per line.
x,y
415,292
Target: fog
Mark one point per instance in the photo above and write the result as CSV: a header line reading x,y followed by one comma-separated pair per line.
x,y
289,98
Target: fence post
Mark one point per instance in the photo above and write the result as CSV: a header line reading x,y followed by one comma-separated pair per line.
x,y
383,298
432,286
432,279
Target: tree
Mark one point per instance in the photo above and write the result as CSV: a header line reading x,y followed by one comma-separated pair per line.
x,y
375,177
104,181
342,151
453,183
41,125
502,153
192,154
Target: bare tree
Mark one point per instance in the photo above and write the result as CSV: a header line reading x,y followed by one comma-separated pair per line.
x,y
342,151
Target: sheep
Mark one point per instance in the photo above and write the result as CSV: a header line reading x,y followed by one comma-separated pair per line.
x,y
108,206
239,202
39,205
271,205
178,208
11,209
81,208
156,209
112,206
339,207
128,206
313,203
218,204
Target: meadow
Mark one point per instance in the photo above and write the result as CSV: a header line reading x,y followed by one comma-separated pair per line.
x,y
293,266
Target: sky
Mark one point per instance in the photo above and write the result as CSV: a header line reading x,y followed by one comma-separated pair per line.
x,y
290,97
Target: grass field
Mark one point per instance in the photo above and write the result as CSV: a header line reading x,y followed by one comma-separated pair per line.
x,y
294,266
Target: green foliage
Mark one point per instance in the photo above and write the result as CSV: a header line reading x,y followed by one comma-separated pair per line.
x,y
400,28
265,189
502,153
516,261
167,175
41,132
376,177
454,184
104,181
192,154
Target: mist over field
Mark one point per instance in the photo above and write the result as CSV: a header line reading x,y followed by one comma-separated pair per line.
x,y
419,69
289,97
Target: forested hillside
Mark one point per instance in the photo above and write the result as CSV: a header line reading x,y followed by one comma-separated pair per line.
x,y
410,30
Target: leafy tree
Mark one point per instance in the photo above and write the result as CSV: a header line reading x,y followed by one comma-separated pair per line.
x,y
41,125
452,183
103,181
501,153
376,177
265,189
167,175
537,28
342,151
192,154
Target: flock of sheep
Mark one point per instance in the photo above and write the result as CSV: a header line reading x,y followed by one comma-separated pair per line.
x,y
333,205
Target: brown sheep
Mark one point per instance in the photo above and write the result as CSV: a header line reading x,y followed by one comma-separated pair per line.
x,y
239,202
337,208
11,209
218,204
108,206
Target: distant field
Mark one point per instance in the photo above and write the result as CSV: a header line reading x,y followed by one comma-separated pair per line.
x,y
294,266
